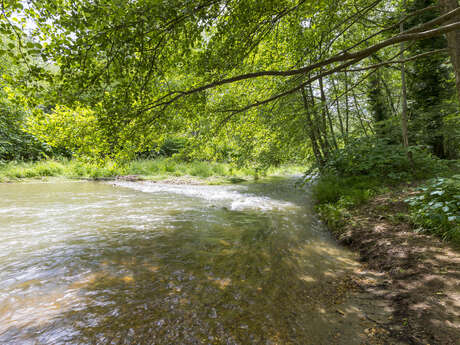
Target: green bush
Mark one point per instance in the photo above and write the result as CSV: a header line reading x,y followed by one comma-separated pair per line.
x,y
379,158
172,146
77,169
15,142
334,216
170,167
346,191
220,170
437,208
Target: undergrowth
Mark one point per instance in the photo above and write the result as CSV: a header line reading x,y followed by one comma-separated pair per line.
x,y
436,208
335,196
366,168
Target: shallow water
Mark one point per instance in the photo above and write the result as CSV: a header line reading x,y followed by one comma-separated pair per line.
x,y
151,263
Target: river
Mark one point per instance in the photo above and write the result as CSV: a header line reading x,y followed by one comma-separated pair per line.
x,y
153,263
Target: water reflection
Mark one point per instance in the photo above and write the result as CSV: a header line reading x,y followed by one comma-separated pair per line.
x,y
89,263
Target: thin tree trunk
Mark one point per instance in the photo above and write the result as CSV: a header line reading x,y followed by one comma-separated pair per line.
x,y
358,109
347,108
370,127
312,132
326,112
322,118
405,139
342,131
390,99
319,125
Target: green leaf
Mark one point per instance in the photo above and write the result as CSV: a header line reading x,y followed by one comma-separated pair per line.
x,y
437,192
437,205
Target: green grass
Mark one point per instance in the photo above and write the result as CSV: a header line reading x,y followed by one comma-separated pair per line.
x,y
335,196
166,167
347,191
160,168
71,169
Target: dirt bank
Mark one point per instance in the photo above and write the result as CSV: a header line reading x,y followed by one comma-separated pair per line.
x,y
419,274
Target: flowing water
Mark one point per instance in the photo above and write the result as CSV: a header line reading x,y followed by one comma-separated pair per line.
x,y
152,263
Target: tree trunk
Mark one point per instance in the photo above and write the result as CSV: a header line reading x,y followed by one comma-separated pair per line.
x,y
342,131
320,125
390,98
326,112
347,109
405,139
312,132
453,39
360,113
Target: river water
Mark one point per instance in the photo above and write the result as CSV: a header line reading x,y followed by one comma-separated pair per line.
x,y
152,263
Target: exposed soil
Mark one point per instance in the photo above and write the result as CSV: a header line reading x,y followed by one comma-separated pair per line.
x,y
419,274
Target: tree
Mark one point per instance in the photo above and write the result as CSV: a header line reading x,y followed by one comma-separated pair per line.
x,y
15,142
377,102
429,85
453,37
149,62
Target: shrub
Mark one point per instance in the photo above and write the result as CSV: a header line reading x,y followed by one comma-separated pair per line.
x,y
75,129
379,158
220,169
334,215
172,146
347,191
15,143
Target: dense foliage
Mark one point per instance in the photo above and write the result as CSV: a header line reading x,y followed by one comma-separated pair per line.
x,y
437,207
15,143
379,158
16,140
148,70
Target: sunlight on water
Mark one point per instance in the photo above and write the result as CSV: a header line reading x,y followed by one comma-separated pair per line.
x,y
152,263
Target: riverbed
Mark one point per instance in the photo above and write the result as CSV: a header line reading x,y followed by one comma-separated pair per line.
x,y
153,263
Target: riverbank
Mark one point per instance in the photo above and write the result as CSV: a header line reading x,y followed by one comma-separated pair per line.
x,y
420,273
161,169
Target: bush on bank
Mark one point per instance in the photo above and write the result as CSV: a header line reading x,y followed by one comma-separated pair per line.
x,y
367,168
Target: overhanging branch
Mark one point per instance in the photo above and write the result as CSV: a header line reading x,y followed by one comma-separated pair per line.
x,y
348,58
386,63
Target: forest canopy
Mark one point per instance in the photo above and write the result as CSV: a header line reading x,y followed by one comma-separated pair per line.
x,y
261,81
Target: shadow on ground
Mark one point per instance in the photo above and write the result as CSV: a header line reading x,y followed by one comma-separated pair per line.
x,y
422,274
